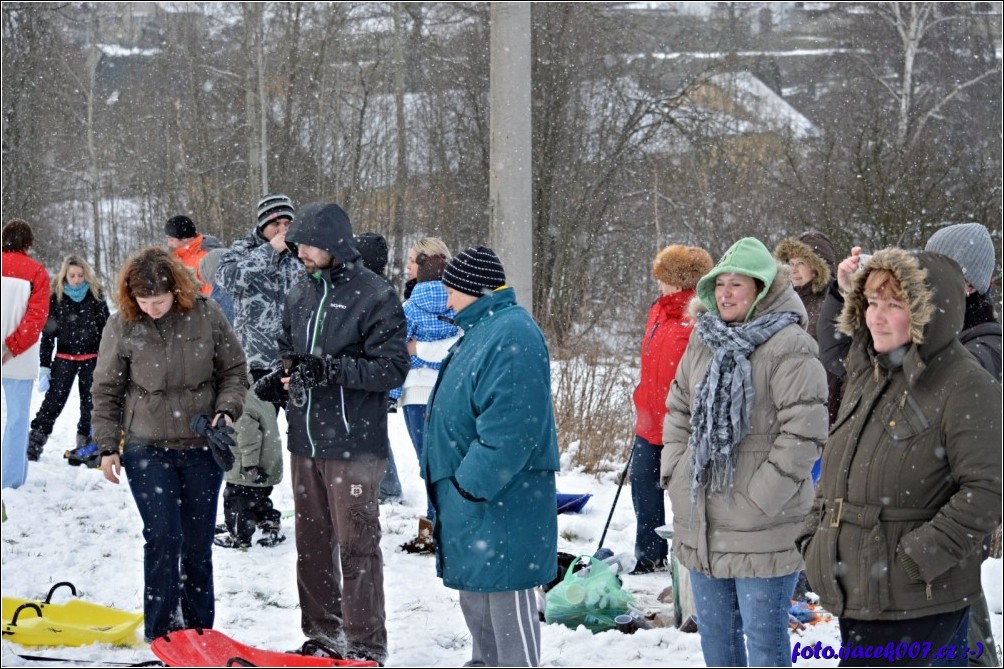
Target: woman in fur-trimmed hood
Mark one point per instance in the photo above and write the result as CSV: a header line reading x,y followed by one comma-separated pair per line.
x,y
746,421
812,263
910,483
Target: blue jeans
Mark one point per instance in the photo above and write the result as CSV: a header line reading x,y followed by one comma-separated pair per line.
x,y
649,502
390,484
176,492
729,608
960,640
414,419
17,395
937,629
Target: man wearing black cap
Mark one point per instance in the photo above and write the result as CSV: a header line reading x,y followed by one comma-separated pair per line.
x,y
258,272
490,455
343,338
189,246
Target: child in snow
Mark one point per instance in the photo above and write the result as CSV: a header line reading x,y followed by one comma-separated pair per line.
x,y
257,468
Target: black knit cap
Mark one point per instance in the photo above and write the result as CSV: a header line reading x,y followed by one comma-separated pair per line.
x,y
475,271
373,248
180,227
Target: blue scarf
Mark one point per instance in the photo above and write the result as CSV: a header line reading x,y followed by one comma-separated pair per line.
x,y
76,294
725,396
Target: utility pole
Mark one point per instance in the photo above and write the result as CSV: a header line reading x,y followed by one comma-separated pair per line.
x,y
510,175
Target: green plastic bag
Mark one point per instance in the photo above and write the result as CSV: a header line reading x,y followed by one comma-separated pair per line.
x,y
592,597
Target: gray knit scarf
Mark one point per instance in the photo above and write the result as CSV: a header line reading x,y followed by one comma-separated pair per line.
x,y
721,417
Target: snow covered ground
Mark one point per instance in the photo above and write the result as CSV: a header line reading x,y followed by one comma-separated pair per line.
x,y
69,524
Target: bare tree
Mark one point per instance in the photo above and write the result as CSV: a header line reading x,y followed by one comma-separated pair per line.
x,y
914,124
37,125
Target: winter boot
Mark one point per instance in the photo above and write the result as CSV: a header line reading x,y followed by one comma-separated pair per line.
x,y
423,543
271,538
271,529
230,541
87,455
269,519
36,442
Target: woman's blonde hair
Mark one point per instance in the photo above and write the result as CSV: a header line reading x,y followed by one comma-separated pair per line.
x,y
59,281
432,246
154,271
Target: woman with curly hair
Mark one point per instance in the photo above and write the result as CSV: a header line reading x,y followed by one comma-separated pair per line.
x,y
167,356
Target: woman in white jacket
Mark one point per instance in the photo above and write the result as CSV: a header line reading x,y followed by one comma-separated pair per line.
x,y
431,333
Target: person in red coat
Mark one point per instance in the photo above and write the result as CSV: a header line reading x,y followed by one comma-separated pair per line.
x,y
190,246
677,269
25,307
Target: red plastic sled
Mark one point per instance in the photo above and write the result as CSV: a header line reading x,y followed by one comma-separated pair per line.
x,y
209,648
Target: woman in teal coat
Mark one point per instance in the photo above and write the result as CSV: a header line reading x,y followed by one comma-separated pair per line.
x,y
489,460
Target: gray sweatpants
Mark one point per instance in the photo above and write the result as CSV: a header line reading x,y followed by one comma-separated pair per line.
x,y
339,566
504,626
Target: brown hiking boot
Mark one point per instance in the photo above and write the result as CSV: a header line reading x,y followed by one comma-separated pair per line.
x,y
423,543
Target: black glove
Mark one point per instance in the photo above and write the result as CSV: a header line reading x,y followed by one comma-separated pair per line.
x,y
269,387
308,371
220,439
391,405
255,474
297,389
313,369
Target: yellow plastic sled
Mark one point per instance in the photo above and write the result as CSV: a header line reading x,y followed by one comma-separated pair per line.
x,y
76,623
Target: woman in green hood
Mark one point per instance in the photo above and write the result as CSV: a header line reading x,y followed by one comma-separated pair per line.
x,y
747,417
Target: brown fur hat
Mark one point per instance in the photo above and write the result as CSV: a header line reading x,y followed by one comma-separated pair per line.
x,y
681,266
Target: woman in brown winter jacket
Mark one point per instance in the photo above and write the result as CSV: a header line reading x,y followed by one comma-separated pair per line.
x,y
910,485
167,356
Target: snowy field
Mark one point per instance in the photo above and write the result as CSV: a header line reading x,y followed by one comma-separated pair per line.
x,y
69,524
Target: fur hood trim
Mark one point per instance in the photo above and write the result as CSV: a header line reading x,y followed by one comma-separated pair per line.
x,y
935,291
793,248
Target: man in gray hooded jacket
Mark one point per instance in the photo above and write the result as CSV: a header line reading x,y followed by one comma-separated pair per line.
x,y
343,341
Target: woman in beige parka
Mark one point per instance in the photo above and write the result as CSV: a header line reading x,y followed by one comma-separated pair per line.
x,y
747,418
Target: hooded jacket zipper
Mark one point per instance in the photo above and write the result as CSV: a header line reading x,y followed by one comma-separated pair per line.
x,y
312,340
651,336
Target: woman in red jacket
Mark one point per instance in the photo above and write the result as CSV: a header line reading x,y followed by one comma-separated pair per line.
x,y
24,307
677,269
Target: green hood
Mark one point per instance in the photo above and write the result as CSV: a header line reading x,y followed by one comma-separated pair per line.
x,y
749,257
